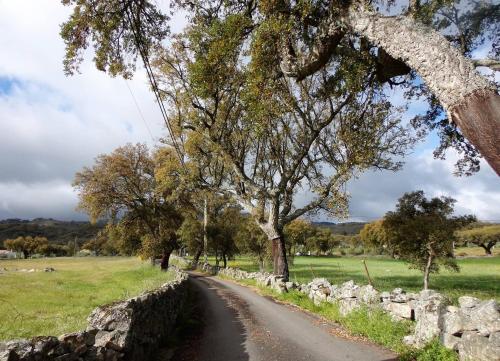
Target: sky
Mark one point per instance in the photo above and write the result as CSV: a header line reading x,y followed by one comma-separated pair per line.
x,y
52,125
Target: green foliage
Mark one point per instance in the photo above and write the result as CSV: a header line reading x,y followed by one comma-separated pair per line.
x,y
138,192
117,30
422,231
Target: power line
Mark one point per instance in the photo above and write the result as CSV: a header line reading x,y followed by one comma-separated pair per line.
x,y
139,110
154,86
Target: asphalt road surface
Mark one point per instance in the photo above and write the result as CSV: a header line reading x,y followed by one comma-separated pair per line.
x,y
241,325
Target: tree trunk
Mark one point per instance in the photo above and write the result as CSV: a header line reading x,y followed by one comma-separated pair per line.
x,y
487,247
261,264
165,259
205,235
26,254
427,271
197,256
280,263
152,260
470,100
224,260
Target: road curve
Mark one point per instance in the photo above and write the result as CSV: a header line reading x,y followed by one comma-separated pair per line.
x,y
241,325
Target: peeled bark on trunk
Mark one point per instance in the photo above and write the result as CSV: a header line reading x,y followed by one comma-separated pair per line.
x,y
164,260
470,100
280,262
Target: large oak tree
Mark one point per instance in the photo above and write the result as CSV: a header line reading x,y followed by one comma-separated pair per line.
x,y
123,187
304,37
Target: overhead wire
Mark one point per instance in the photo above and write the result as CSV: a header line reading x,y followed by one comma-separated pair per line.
x,y
139,110
154,86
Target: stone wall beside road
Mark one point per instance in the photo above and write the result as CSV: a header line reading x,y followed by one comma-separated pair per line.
x,y
130,330
472,328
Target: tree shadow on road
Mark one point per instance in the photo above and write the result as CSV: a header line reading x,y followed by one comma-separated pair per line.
x,y
219,334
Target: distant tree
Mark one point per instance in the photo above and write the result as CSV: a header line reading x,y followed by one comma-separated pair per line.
x,y
321,241
28,245
223,232
253,241
191,235
422,232
124,188
485,237
17,245
296,234
374,235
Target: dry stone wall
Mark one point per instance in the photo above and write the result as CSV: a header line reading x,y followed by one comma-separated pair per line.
x,y
130,330
472,329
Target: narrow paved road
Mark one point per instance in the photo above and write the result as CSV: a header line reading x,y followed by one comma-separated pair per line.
x,y
240,325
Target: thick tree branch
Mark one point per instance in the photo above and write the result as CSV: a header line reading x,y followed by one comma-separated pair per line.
x,y
493,64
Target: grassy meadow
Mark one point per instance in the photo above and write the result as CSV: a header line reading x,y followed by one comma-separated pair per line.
x,y
53,303
479,277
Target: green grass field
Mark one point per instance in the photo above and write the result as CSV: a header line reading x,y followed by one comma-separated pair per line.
x,y
478,277
53,303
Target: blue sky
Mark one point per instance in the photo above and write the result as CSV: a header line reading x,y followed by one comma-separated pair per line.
x,y
51,126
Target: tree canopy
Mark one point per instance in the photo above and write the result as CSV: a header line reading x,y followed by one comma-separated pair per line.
x,y
422,231
300,39
486,236
123,188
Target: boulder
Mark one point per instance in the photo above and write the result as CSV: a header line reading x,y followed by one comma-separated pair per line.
x,y
368,294
347,305
429,311
399,310
453,323
348,290
485,317
398,295
473,346
468,302
450,341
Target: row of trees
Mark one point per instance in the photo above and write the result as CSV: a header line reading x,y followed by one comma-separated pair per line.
x,y
264,98
29,246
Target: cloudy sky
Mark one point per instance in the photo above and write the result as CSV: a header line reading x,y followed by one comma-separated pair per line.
x,y
51,126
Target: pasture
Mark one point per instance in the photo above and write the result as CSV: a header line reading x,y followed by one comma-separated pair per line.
x,y
53,303
479,277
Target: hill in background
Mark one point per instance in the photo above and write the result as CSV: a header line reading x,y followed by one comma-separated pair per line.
x,y
347,228
60,232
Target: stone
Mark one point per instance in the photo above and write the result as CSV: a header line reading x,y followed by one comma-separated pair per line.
x,y
453,323
399,310
468,302
450,341
485,317
385,296
348,290
473,346
398,295
44,344
429,311
368,294
347,305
